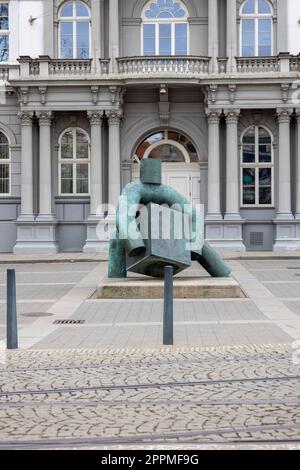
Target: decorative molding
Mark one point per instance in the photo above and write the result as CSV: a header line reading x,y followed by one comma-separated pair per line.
x,y
95,93
232,92
164,112
213,116
43,93
232,115
284,115
25,118
114,118
45,118
95,117
24,92
285,91
212,95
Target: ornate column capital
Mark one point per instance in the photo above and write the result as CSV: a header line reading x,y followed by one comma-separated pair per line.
x,y
213,116
284,115
95,117
232,115
25,118
297,114
114,118
45,118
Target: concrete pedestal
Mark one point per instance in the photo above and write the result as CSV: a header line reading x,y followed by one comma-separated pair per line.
x,y
184,288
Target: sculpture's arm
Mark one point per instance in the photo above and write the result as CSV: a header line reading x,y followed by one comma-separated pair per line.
x,y
126,218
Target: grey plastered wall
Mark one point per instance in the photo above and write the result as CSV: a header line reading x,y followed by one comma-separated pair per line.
x,y
10,205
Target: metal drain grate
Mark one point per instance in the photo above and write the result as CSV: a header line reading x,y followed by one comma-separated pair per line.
x,y
69,322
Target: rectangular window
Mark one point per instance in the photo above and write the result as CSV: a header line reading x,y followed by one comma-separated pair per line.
x,y
66,40
4,178
82,178
66,178
181,46
4,32
149,39
83,40
248,39
264,37
165,39
248,186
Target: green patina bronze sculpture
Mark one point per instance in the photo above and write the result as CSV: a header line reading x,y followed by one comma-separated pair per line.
x,y
133,246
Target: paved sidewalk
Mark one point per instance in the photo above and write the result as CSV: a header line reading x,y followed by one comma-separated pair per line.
x,y
64,291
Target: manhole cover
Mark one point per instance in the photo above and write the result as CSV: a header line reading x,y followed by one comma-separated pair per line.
x,y
69,322
37,314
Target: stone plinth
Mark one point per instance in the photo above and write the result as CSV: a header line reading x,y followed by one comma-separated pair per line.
x,y
184,288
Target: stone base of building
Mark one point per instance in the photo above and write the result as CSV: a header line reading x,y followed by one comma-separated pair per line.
x,y
98,231
225,235
36,237
287,236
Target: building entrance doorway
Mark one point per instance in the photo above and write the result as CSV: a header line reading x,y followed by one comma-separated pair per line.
x,y
180,162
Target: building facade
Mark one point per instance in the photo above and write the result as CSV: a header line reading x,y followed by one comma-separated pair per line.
x,y
90,87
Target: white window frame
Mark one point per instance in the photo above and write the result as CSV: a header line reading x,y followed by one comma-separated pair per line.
x,y
257,166
7,161
156,22
256,17
74,162
74,19
5,32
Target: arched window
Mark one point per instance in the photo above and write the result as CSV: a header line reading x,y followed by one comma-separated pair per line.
x,y
5,165
74,30
256,36
257,167
74,162
165,29
169,146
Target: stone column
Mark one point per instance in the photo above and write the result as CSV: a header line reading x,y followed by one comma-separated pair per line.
x,y
114,156
231,35
213,37
298,169
214,196
232,165
26,166
45,183
284,169
114,40
96,185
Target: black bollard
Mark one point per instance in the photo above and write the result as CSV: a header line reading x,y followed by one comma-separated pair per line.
x,y
11,319
168,329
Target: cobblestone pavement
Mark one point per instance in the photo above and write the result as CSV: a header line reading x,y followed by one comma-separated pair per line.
x,y
89,398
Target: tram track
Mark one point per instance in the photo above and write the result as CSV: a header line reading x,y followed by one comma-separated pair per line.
x,y
161,438
146,385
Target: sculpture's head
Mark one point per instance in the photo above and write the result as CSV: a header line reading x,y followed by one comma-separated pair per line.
x,y
150,171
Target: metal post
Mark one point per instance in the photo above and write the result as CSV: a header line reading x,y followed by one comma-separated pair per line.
x,y
11,319
168,335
